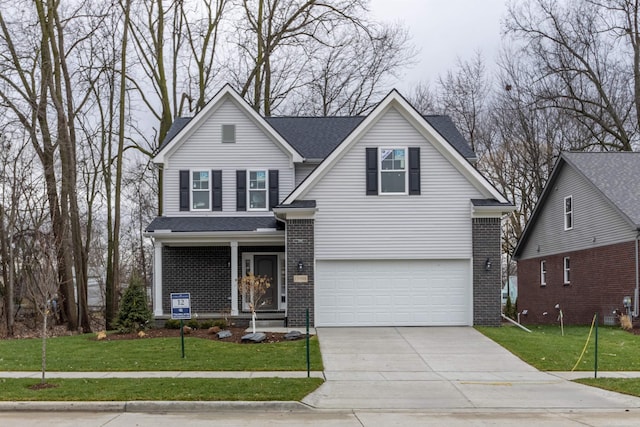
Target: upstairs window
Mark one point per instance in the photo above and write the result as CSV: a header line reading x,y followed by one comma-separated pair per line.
x,y
200,190
543,273
568,212
257,184
393,171
229,134
567,270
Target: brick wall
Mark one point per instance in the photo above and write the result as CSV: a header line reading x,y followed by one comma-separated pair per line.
x,y
486,284
300,247
203,271
599,279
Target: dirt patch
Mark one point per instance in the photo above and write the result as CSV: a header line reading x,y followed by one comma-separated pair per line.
x,y
42,386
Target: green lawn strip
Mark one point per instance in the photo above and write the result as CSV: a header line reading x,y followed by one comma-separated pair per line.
x,y
127,389
629,386
546,349
84,353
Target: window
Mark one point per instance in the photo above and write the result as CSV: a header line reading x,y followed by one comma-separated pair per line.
x,y
200,188
228,133
258,190
567,271
393,171
568,213
543,273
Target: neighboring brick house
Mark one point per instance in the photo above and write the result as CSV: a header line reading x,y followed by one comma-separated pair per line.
x,y
579,250
365,221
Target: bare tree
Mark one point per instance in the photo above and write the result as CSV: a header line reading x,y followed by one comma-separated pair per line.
x,y
587,54
350,73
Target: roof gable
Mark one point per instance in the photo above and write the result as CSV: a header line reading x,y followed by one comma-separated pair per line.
x,y
183,127
610,174
424,127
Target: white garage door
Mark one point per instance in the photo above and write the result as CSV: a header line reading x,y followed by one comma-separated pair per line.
x,y
393,293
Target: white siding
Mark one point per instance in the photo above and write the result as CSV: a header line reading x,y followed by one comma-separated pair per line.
x,y
595,221
204,150
303,170
433,225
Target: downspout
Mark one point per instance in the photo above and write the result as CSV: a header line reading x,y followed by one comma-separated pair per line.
x,y
636,294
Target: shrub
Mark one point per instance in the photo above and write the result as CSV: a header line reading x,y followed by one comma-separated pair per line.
x,y
134,313
220,323
192,323
206,324
510,309
172,324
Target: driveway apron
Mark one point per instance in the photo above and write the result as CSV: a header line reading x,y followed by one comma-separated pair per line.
x,y
440,368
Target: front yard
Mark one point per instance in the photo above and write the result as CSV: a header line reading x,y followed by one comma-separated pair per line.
x,y
547,350
83,353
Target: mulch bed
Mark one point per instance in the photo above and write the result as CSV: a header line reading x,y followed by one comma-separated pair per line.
x,y
236,335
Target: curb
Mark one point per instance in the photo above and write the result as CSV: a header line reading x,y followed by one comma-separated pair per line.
x,y
156,406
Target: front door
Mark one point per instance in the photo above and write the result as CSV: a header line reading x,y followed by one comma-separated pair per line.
x,y
267,265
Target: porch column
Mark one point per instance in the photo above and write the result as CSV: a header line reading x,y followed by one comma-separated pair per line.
x,y
234,278
157,279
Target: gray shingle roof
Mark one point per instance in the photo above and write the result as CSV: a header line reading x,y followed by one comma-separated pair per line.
x,y
616,175
316,137
219,223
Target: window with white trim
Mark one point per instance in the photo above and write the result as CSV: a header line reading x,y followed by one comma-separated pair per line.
x,y
200,190
543,273
568,212
567,270
257,194
393,171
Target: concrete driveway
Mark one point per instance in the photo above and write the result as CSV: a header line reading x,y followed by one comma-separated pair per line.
x,y
440,368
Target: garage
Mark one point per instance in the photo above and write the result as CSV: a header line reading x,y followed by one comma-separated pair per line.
x,y
393,293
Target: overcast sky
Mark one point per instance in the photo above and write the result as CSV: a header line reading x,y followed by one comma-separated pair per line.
x,y
444,30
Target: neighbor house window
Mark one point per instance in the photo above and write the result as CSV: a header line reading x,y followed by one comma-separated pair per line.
x,y
229,133
568,213
567,270
543,273
200,190
257,190
393,171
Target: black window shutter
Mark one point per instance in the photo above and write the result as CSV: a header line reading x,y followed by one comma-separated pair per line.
x,y
184,190
274,196
372,171
414,170
241,190
216,190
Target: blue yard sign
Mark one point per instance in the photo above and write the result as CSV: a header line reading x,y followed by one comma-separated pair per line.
x,y
181,306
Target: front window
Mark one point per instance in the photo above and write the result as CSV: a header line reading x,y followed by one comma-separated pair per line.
x,y
567,271
200,187
393,171
568,213
258,190
543,273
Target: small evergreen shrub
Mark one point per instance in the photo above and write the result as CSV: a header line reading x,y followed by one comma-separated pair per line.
x,y
206,324
172,324
220,323
134,313
510,309
192,323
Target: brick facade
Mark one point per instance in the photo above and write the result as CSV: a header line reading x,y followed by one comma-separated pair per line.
x,y
486,283
300,247
599,279
203,271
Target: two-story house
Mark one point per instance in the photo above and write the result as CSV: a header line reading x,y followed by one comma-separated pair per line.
x,y
370,220
579,250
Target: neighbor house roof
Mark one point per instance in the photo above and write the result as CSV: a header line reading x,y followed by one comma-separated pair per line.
x,y
316,137
612,174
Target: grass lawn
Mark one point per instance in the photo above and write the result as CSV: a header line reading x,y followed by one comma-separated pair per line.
x,y
547,350
621,385
119,389
83,353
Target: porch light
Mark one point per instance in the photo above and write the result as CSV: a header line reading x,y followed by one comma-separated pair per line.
x,y
487,265
300,265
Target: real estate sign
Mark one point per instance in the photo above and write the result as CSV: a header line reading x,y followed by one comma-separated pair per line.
x,y
181,306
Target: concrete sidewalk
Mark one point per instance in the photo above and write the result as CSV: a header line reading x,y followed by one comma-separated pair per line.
x,y
166,374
